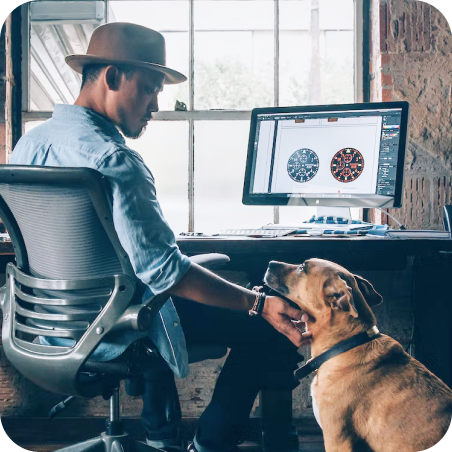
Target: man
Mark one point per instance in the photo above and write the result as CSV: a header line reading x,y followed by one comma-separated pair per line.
x,y
123,72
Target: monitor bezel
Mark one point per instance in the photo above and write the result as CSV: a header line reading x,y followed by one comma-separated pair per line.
x,y
283,200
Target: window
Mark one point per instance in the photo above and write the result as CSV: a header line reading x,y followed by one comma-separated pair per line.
x,y
238,55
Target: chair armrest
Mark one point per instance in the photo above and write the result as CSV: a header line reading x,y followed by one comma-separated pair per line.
x,y
211,261
139,317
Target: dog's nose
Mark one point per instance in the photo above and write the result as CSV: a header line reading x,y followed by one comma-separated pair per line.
x,y
273,264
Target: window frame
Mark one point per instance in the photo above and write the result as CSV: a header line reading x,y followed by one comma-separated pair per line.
x,y
192,115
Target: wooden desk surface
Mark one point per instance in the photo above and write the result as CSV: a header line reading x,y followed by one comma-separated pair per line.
x,y
409,246
6,248
244,245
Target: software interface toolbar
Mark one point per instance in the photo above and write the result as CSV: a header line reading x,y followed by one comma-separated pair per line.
x,y
330,154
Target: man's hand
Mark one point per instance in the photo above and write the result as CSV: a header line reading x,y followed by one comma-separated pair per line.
x,y
280,314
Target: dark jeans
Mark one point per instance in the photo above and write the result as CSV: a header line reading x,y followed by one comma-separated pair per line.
x,y
257,350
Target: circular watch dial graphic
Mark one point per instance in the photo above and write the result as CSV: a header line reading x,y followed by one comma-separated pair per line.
x,y
303,165
347,165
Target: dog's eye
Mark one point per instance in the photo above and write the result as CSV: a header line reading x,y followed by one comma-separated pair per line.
x,y
301,268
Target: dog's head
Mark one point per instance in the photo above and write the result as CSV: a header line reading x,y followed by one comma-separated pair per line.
x,y
322,288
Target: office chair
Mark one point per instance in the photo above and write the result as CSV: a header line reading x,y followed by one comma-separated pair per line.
x,y
73,280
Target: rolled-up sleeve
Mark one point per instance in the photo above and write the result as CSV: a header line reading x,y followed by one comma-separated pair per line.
x,y
138,219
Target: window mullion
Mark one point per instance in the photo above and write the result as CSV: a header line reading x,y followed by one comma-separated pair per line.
x,y
358,50
191,124
25,11
276,81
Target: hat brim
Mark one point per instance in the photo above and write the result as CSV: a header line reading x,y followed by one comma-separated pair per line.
x,y
78,62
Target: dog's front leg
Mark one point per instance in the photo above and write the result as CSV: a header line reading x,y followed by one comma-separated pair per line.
x,y
340,444
337,443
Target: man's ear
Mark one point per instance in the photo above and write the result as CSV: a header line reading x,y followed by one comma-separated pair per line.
x,y
338,295
372,297
112,78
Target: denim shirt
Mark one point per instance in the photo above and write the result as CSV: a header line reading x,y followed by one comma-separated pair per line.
x,y
79,137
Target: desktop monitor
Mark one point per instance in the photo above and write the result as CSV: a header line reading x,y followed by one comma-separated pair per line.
x,y
331,155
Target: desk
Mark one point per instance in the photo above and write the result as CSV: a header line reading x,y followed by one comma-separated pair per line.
x,y
191,245
431,260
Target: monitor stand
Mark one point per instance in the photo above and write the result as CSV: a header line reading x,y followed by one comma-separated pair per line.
x,y
324,211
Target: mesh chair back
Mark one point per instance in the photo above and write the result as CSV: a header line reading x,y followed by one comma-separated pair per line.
x,y
70,269
63,235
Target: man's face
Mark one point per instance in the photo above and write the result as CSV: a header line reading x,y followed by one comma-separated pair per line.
x,y
136,100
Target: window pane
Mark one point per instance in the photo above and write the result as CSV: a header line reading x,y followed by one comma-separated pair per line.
x,y
171,19
220,159
164,148
233,54
316,52
295,215
31,125
58,29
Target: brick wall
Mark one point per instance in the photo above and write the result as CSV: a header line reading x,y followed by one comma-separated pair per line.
x,y
411,49
2,96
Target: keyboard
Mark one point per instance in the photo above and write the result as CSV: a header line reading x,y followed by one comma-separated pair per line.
x,y
257,232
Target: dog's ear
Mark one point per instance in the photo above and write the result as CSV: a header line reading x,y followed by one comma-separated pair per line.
x,y
372,297
338,295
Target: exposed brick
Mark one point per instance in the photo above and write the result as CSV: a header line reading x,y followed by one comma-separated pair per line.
x,y
411,60
385,59
383,26
387,95
2,99
387,79
409,25
2,135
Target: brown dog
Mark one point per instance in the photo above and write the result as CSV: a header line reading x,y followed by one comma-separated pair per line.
x,y
374,397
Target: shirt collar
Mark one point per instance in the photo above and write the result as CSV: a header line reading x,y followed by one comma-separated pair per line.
x,y
77,112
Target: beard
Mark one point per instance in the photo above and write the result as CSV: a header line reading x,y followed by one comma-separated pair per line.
x,y
125,130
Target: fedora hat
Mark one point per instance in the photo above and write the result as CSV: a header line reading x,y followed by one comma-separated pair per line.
x,y
124,43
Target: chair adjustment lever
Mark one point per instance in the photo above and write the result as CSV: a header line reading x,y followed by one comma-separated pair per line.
x,y
60,407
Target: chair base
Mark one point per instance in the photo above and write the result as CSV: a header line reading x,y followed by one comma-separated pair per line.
x,y
110,443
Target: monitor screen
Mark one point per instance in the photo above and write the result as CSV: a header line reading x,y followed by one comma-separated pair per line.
x,y
334,155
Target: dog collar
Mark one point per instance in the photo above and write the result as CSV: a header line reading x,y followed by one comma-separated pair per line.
x,y
314,363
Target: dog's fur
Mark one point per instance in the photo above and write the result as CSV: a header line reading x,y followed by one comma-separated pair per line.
x,y
374,397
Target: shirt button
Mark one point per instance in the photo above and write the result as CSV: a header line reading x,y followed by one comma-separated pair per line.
x,y
176,324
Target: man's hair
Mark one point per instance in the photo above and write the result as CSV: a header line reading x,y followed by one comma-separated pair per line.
x,y
91,72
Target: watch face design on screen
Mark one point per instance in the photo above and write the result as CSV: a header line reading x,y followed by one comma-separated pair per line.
x,y
303,165
347,165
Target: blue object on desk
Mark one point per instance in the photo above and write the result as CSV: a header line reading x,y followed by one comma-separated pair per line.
x,y
335,220
342,232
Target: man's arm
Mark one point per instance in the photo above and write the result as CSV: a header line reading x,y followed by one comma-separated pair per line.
x,y
205,287
156,259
